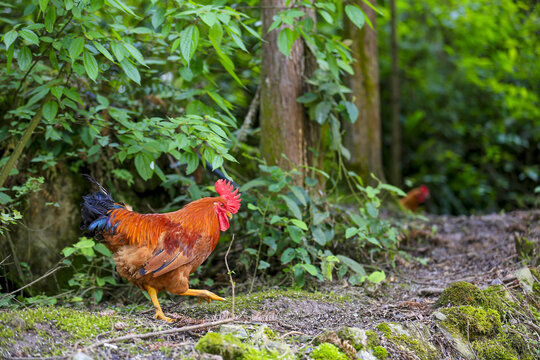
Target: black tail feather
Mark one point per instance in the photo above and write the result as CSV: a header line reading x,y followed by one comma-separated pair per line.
x,y
95,206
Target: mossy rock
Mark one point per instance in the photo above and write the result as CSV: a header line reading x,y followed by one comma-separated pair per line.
x,y
461,293
472,322
493,350
230,347
414,338
327,351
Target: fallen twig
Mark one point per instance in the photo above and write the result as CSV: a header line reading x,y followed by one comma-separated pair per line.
x,y
158,333
47,274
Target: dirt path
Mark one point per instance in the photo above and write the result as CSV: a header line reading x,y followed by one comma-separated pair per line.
x,y
478,249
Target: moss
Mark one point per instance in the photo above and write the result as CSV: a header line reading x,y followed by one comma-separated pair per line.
x,y
355,336
472,322
493,350
494,299
384,328
327,351
380,353
252,301
461,293
372,339
78,324
229,347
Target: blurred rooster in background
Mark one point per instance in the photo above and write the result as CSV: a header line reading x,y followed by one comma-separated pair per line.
x,y
415,197
157,252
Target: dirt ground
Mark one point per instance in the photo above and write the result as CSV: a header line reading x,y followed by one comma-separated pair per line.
x,y
477,249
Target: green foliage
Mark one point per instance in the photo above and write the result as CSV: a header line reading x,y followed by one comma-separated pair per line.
x,y
470,105
304,234
9,215
327,351
93,268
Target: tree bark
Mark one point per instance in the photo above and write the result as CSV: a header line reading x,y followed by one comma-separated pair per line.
x,y
395,162
363,138
283,119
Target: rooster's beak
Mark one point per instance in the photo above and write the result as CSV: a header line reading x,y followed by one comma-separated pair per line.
x,y
229,215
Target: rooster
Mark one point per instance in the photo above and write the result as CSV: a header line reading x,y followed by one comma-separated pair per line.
x,y
415,197
158,252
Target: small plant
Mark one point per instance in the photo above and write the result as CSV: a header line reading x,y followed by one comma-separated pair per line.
x,y
93,269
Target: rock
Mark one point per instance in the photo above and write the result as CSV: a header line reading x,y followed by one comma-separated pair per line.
x,y
462,346
280,348
525,278
262,335
81,356
235,330
439,316
413,338
226,346
19,323
365,355
356,336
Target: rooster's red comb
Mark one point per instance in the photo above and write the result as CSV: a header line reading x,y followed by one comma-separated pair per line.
x,y
424,190
225,190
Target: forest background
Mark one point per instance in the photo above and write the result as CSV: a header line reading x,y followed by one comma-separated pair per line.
x,y
339,98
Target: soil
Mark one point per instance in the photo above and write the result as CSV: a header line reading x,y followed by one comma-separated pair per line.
x,y
437,252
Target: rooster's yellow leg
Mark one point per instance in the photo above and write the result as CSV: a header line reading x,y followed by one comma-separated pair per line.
x,y
209,296
159,313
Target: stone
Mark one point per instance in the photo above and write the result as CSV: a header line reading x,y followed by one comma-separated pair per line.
x,y
81,356
235,330
525,278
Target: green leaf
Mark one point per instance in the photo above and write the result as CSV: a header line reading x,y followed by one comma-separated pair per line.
x,y
321,111
50,19
352,111
287,256
192,162
90,65
296,233
319,237
189,39
102,50
285,41
85,244
215,35
209,19
263,265
76,48
312,270
352,264
10,37
119,51
302,225
121,6
307,98
293,208
298,194
350,232
43,4
29,36
376,277
158,17
135,53
327,17
372,210
49,110
68,251
142,164
5,198
393,189
131,71
102,249
356,15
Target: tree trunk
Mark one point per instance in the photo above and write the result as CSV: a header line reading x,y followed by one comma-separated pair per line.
x,y
363,138
395,162
283,119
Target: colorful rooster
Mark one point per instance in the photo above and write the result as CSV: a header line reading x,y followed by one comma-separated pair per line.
x,y
157,252
415,197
